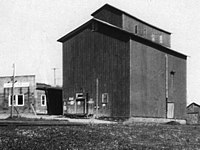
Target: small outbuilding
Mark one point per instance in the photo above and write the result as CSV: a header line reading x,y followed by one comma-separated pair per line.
x,y
193,108
193,113
29,96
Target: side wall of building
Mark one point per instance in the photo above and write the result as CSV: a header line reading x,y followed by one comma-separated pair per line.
x,y
102,55
147,81
111,16
28,93
193,109
157,82
145,31
177,85
41,102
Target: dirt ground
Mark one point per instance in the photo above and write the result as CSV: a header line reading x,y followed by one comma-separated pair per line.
x,y
56,117
137,136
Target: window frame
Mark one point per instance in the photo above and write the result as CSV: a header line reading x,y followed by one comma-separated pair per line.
x,y
22,100
161,39
153,37
136,29
144,32
103,97
15,100
45,100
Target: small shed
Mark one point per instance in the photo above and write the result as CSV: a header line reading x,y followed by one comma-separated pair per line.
x,y
55,103
193,111
193,108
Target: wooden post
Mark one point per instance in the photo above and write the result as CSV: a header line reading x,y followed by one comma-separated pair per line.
x,y
97,96
86,102
28,100
75,106
33,110
12,97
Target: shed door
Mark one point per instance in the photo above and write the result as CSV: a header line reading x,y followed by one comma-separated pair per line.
x,y
170,110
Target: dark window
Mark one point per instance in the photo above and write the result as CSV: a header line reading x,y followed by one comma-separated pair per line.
x,y
10,100
79,95
20,100
43,100
17,101
136,29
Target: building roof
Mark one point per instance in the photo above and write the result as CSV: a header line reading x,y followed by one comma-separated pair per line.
x,y
17,76
193,104
107,6
42,86
118,29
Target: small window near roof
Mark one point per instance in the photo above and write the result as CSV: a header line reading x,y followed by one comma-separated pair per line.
x,y
145,32
153,37
161,39
136,29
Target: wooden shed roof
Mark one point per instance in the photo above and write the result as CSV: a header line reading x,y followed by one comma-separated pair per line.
x,y
121,31
193,104
107,6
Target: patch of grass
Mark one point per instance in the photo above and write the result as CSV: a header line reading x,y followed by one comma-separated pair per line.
x,y
100,137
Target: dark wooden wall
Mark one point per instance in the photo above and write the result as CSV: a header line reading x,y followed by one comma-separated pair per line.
x,y
177,87
104,55
147,81
193,108
127,22
110,15
132,72
129,25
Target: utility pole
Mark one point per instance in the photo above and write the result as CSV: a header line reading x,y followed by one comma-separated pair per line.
x,y
12,96
54,72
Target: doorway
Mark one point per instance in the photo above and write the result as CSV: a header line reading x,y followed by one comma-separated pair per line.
x,y
170,110
80,106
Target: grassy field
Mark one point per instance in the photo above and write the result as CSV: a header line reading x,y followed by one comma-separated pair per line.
x,y
137,136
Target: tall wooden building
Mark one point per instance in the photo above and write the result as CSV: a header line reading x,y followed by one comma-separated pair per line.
x,y
124,67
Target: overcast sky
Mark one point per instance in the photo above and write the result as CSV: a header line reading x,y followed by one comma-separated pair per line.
x,y
30,29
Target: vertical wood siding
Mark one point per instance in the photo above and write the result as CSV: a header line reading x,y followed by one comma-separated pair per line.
x,y
111,16
129,25
132,72
147,81
177,87
91,55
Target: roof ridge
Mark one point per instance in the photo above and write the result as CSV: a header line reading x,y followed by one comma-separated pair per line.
x,y
62,39
108,5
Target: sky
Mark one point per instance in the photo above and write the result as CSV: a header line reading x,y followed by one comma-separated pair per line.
x,y
30,30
